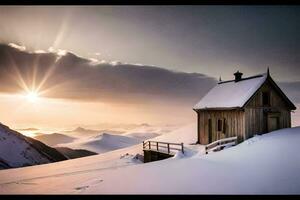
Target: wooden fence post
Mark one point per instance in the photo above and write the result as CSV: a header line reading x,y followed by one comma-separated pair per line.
x,y
182,148
157,146
149,145
168,148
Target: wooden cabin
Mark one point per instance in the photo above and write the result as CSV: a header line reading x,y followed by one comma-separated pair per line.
x,y
242,107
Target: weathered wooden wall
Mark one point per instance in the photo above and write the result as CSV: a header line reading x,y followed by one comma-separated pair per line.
x,y
235,124
256,114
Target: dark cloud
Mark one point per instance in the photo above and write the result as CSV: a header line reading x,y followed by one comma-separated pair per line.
x,y
73,77
292,90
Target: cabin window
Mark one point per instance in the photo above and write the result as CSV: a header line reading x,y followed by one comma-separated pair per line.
x,y
224,126
220,125
209,131
266,98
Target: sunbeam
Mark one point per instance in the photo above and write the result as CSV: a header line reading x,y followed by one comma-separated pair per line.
x,y
17,75
59,37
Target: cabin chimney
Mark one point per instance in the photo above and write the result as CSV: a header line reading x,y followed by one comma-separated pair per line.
x,y
238,76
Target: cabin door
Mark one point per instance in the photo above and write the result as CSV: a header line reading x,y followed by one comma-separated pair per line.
x,y
273,123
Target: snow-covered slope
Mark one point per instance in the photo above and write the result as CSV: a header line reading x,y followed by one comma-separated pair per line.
x,y
54,138
186,134
17,150
267,164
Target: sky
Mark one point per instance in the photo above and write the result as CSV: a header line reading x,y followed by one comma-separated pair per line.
x,y
137,64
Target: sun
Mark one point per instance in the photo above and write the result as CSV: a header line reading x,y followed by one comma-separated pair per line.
x,y
32,96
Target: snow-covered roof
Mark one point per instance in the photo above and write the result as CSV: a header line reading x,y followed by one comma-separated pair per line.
x,y
231,94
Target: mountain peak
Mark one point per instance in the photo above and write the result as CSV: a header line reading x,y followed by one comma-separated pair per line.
x,y
78,129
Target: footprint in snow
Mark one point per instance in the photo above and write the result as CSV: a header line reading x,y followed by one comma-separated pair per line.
x,y
25,183
97,182
82,187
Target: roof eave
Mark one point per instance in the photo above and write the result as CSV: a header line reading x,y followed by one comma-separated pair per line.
x,y
218,108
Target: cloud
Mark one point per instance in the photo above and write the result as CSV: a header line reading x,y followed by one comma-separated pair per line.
x,y
73,77
292,90
94,60
66,75
51,49
16,46
40,51
114,63
61,52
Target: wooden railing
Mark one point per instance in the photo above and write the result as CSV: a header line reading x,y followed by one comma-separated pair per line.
x,y
164,147
220,144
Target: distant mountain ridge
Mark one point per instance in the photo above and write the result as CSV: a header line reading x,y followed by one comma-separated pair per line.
x,y
27,129
74,153
55,138
17,150
80,131
104,142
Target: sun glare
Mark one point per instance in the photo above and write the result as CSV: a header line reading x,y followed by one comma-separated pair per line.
x,y
32,96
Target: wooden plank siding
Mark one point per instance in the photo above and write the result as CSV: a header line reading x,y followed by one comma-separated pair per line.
x,y
256,114
234,124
